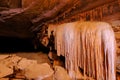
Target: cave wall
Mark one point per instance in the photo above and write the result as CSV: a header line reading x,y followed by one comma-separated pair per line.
x,y
26,3
116,28
3,3
11,3
15,3
106,12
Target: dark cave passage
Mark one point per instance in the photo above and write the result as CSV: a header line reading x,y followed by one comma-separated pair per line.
x,y
13,44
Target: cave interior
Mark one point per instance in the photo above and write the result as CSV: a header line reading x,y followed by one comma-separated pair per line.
x,y
23,23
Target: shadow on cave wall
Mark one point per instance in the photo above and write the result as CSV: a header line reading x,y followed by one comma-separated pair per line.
x,y
12,44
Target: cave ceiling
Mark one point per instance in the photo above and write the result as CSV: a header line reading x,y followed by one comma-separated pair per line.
x,y
23,18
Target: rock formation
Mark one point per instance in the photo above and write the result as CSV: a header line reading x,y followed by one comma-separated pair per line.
x,y
90,46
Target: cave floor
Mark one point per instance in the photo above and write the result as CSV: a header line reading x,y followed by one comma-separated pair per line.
x,y
43,58
39,56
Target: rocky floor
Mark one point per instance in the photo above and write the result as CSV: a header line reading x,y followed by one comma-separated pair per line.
x,y
35,66
30,66
39,56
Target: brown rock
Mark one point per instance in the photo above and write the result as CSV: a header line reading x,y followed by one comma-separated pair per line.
x,y
58,62
5,71
50,55
39,72
4,78
118,64
10,61
118,51
20,75
118,77
117,35
61,74
3,56
26,3
25,63
16,79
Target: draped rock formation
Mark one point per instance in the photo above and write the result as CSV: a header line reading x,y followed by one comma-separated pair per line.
x,y
90,46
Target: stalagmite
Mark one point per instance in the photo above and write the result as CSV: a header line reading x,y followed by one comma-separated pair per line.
x,y
90,46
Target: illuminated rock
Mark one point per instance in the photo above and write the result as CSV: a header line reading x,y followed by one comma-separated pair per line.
x,y
88,45
61,73
5,71
39,72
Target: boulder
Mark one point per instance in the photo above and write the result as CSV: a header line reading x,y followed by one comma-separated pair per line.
x,y
39,72
61,73
24,63
5,71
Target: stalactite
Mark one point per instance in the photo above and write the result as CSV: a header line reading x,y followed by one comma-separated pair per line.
x,y
88,45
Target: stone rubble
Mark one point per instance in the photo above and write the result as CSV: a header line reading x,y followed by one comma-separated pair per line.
x,y
13,67
18,68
